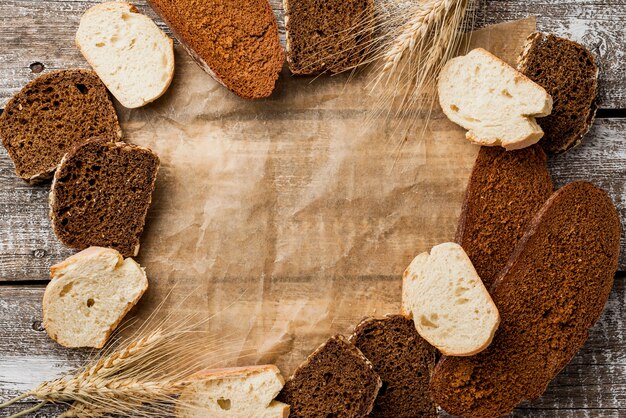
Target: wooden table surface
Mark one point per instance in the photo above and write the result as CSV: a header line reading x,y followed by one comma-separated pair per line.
x,y
36,34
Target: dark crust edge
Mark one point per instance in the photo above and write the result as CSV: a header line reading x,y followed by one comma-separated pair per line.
x,y
539,37
48,174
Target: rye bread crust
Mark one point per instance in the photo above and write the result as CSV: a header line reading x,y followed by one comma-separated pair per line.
x,y
551,292
504,192
235,42
568,71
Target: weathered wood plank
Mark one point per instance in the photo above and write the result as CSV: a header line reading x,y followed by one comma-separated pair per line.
x,y
43,31
593,384
28,246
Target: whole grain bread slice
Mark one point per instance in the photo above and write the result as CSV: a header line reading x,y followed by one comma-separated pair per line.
x,y
505,191
327,35
335,381
101,194
235,41
552,290
50,115
568,71
403,360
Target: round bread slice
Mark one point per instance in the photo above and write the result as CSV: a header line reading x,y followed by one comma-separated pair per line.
x,y
549,295
239,392
130,54
101,194
50,115
568,71
235,41
89,294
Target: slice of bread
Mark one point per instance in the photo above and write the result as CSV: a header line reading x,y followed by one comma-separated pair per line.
x,y
240,392
101,193
448,302
494,102
403,360
327,35
235,41
552,290
335,381
50,115
88,296
505,191
568,71
130,54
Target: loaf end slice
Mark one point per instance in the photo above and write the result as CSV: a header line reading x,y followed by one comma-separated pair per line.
x,y
403,360
235,41
331,35
568,71
89,294
239,392
336,380
551,292
449,304
505,191
101,194
494,102
130,54
50,115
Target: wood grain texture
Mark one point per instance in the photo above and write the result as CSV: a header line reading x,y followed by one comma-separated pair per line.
x,y
593,384
43,31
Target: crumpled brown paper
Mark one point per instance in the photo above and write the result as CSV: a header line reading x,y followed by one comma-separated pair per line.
x,y
291,217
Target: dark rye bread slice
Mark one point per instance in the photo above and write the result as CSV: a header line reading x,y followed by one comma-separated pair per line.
x,y
101,193
568,72
50,115
552,290
327,35
235,41
403,360
505,191
335,381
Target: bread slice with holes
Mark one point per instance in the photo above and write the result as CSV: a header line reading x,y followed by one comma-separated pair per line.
x,y
551,292
239,392
403,360
50,115
494,102
568,71
130,54
234,41
335,381
448,302
88,296
101,194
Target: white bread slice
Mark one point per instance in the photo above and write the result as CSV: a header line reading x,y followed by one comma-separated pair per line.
x,y
493,101
89,294
448,302
127,50
239,392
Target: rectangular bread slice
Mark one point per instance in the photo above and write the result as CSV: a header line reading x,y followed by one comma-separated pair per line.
x,y
335,381
327,35
235,41
568,71
551,292
504,192
403,360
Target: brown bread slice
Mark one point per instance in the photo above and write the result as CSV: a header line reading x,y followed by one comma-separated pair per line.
x,y
505,191
552,290
335,381
101,193
327,35
50,115
568,71
403,360
235,41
